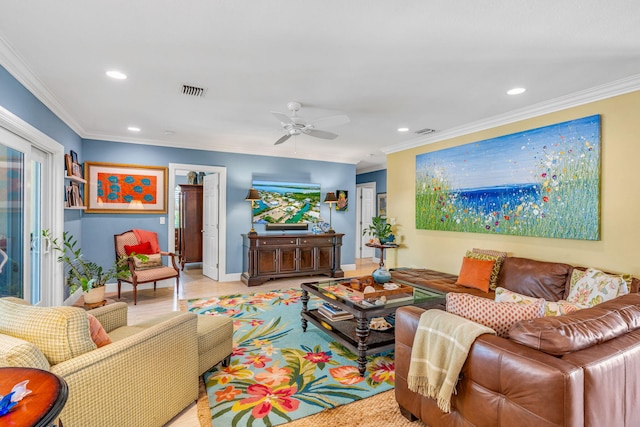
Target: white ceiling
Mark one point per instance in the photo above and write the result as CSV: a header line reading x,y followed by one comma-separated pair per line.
x,y
444,65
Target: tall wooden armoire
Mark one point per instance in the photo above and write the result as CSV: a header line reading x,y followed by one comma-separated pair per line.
x,y
190,224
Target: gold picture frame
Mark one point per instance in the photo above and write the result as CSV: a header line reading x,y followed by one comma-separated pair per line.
x,y
126,189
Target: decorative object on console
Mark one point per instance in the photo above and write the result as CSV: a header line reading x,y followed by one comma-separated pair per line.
x,y
379,229
537,176
330,198
252,196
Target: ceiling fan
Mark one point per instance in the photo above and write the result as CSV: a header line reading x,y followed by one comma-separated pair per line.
x,y
295,125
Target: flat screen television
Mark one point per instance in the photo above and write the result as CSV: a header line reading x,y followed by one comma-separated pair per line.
x,y
286,203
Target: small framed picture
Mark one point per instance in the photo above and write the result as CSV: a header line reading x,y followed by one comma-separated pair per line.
x,y
77,170
382,205
68,164
343,201
74,157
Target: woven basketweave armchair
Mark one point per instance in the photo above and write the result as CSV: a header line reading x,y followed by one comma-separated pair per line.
x,y
144,272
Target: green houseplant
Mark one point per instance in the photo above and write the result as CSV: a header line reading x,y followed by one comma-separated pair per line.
x,y
82,273
379,229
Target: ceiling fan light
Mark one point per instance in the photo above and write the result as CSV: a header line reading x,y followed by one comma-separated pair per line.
x,y
403,129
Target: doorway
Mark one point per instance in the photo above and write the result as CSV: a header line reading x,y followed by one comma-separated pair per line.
x,y
32,165
365,210
215,255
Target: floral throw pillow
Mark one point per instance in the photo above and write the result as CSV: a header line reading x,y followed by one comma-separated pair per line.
x,y
551,308
592,287
499,316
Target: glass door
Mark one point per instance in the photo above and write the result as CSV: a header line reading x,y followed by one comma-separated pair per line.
x,y
12,219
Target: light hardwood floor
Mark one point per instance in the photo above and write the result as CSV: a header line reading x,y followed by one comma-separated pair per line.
x,y
193,285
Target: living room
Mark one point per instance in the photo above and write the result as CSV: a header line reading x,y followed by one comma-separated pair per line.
x,y
615,99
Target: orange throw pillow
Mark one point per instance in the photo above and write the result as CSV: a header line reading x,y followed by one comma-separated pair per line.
x,y
98,335
475,273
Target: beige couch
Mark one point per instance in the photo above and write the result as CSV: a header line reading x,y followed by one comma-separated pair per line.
x,y
146,376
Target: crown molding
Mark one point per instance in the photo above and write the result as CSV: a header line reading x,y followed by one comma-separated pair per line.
x,y
608,90
18,68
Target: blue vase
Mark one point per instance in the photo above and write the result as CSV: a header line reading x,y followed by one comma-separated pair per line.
x,y
381,275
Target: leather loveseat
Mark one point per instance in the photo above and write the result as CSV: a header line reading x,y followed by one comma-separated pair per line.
x,y
579,369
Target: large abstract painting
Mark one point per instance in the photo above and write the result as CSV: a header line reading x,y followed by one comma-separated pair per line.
x,y
543,182
117,188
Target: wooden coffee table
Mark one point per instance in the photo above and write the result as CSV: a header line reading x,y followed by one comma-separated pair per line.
x,y
41,407
356,334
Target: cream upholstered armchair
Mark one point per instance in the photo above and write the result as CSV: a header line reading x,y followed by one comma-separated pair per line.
x,y
146,243
144,377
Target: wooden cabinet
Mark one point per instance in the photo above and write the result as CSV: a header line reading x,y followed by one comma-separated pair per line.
x,y
271,257
190,233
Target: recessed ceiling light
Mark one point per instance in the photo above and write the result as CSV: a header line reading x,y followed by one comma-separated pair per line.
x,y
134,129
516,91
114,74
403,129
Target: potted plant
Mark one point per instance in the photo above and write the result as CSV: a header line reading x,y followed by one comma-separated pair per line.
x,y
379,229
85,274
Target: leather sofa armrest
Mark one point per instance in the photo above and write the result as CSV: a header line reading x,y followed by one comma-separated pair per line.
x,y
500,383
111,316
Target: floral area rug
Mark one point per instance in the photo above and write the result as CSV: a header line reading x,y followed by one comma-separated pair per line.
x,y
277,372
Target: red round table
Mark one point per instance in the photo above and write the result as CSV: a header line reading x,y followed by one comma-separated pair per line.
x,y
40,407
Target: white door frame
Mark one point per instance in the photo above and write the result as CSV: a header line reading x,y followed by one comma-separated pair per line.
x,y
52,201
222,217
360,239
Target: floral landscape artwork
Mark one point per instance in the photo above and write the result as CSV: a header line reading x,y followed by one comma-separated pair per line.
x,y
543,182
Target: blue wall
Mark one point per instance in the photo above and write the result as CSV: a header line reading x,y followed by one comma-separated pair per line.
x,y
95,231
241,170
379,177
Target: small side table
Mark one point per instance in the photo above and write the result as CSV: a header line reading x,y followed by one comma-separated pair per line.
x,y
42,406
382,248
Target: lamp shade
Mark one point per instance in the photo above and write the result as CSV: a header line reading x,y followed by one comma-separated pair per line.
x,y
252,195
330,198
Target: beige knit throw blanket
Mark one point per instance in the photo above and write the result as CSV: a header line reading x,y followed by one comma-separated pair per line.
x,y
440,348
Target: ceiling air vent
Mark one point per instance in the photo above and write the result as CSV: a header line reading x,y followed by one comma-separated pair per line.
x,y
193,91
425,131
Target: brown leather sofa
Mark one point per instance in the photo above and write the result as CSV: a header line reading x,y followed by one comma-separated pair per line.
x,y
581,369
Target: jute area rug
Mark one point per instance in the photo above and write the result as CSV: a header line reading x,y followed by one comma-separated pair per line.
x,y
380,410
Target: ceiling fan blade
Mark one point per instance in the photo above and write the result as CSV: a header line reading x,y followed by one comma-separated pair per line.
x,y
329,121
283,139
283,118
319,133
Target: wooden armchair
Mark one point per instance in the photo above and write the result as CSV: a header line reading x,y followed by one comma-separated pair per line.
x,y
144,272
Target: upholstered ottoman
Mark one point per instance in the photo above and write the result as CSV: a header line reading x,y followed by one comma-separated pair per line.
x,y
214,341
214,337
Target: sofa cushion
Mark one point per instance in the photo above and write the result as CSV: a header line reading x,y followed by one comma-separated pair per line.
x,y
60,333
152,261
537,279
475,273
592,287
551,308
21,353
584,328
496,256
499,316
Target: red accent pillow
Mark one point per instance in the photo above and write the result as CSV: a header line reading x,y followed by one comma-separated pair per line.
x,y
475,273
98,335
143,248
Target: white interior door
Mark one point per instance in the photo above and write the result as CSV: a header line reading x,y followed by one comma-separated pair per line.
x,y
210,220
366,210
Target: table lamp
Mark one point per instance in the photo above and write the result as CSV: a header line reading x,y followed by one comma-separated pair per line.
x,y
252,196
331,199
